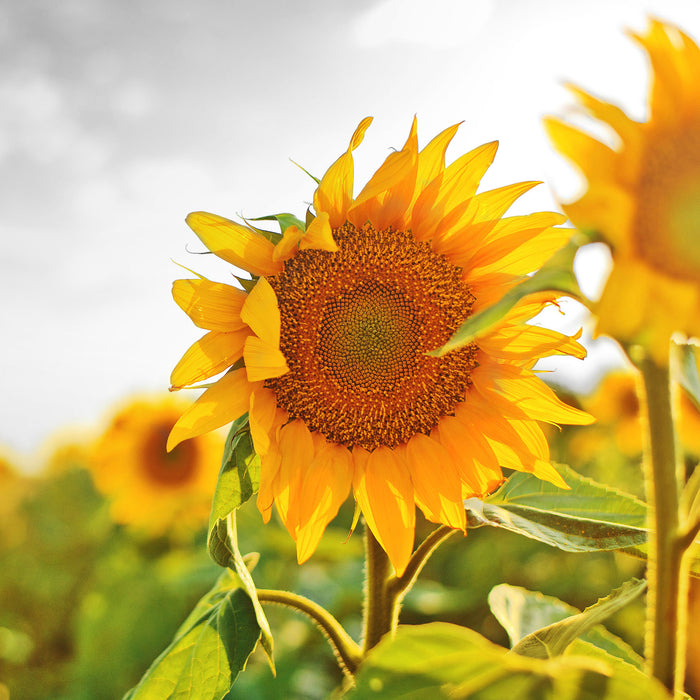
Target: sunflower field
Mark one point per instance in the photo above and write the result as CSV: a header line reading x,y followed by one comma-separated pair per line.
x,y
379,490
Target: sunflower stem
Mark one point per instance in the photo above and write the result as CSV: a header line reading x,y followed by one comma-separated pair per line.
x,y
346,650
379,614
665,624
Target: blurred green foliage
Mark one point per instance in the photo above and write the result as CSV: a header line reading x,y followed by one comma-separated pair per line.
x,y
88,605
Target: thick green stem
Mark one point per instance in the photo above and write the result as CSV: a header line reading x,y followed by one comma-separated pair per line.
x,y
384,592
379,612
346,650
665,610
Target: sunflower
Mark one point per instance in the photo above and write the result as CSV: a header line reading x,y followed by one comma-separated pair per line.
x,y
149,488
643,198
327,351
615,406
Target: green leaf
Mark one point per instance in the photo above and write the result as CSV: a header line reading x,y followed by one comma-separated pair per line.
x,y
553,639
209,650
440,660
284,220
688,376
522,612
239,476
223,548
588,517
556,275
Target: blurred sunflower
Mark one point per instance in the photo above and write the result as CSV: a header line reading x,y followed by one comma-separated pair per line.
x,y
643,198
327,352
150,488
615,406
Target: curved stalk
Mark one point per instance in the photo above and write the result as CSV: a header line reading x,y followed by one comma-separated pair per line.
x,y
398,586
346,650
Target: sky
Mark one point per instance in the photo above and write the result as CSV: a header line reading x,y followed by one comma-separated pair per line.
x,y
118,117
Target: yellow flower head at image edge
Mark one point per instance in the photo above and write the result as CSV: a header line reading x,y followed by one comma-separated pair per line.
x,y
149,488
643,198
334,336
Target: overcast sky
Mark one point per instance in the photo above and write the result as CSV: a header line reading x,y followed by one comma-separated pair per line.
x,y
119,117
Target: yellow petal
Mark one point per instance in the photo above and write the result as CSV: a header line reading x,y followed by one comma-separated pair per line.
x,y
325,487
212,354
211,305
288,246
384,492
235,243
593,158
319,235
263,408
262,313
334,192
431,160
221,403
263,361
269,470
470,452
436,481
297,452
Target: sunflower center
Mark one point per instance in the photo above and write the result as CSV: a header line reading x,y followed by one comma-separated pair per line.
x,y
368,337
668,221
355,328
172,468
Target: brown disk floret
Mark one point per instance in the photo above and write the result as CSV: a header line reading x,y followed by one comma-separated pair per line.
x,y
356,326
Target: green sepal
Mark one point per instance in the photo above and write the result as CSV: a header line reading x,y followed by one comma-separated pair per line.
x,y
209,649
313,177
246,283
556,275
284,220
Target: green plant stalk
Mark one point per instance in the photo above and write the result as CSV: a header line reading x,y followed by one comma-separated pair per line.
x,y
346,650
378,609
665,611
384,592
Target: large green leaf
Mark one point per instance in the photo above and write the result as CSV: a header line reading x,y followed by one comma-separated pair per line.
x,y
239,479
209,650
556,275
553,639
588,517
523,612
223,548
440,660
239,476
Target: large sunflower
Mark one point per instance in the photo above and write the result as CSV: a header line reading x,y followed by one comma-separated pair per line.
x,y
149,488
327,352
643,197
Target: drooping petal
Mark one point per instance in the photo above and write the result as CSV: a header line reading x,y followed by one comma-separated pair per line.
x,y
436,481
210,355
325,487
211,305
384,491
235,243
221,403
263,408
297,451
263,361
